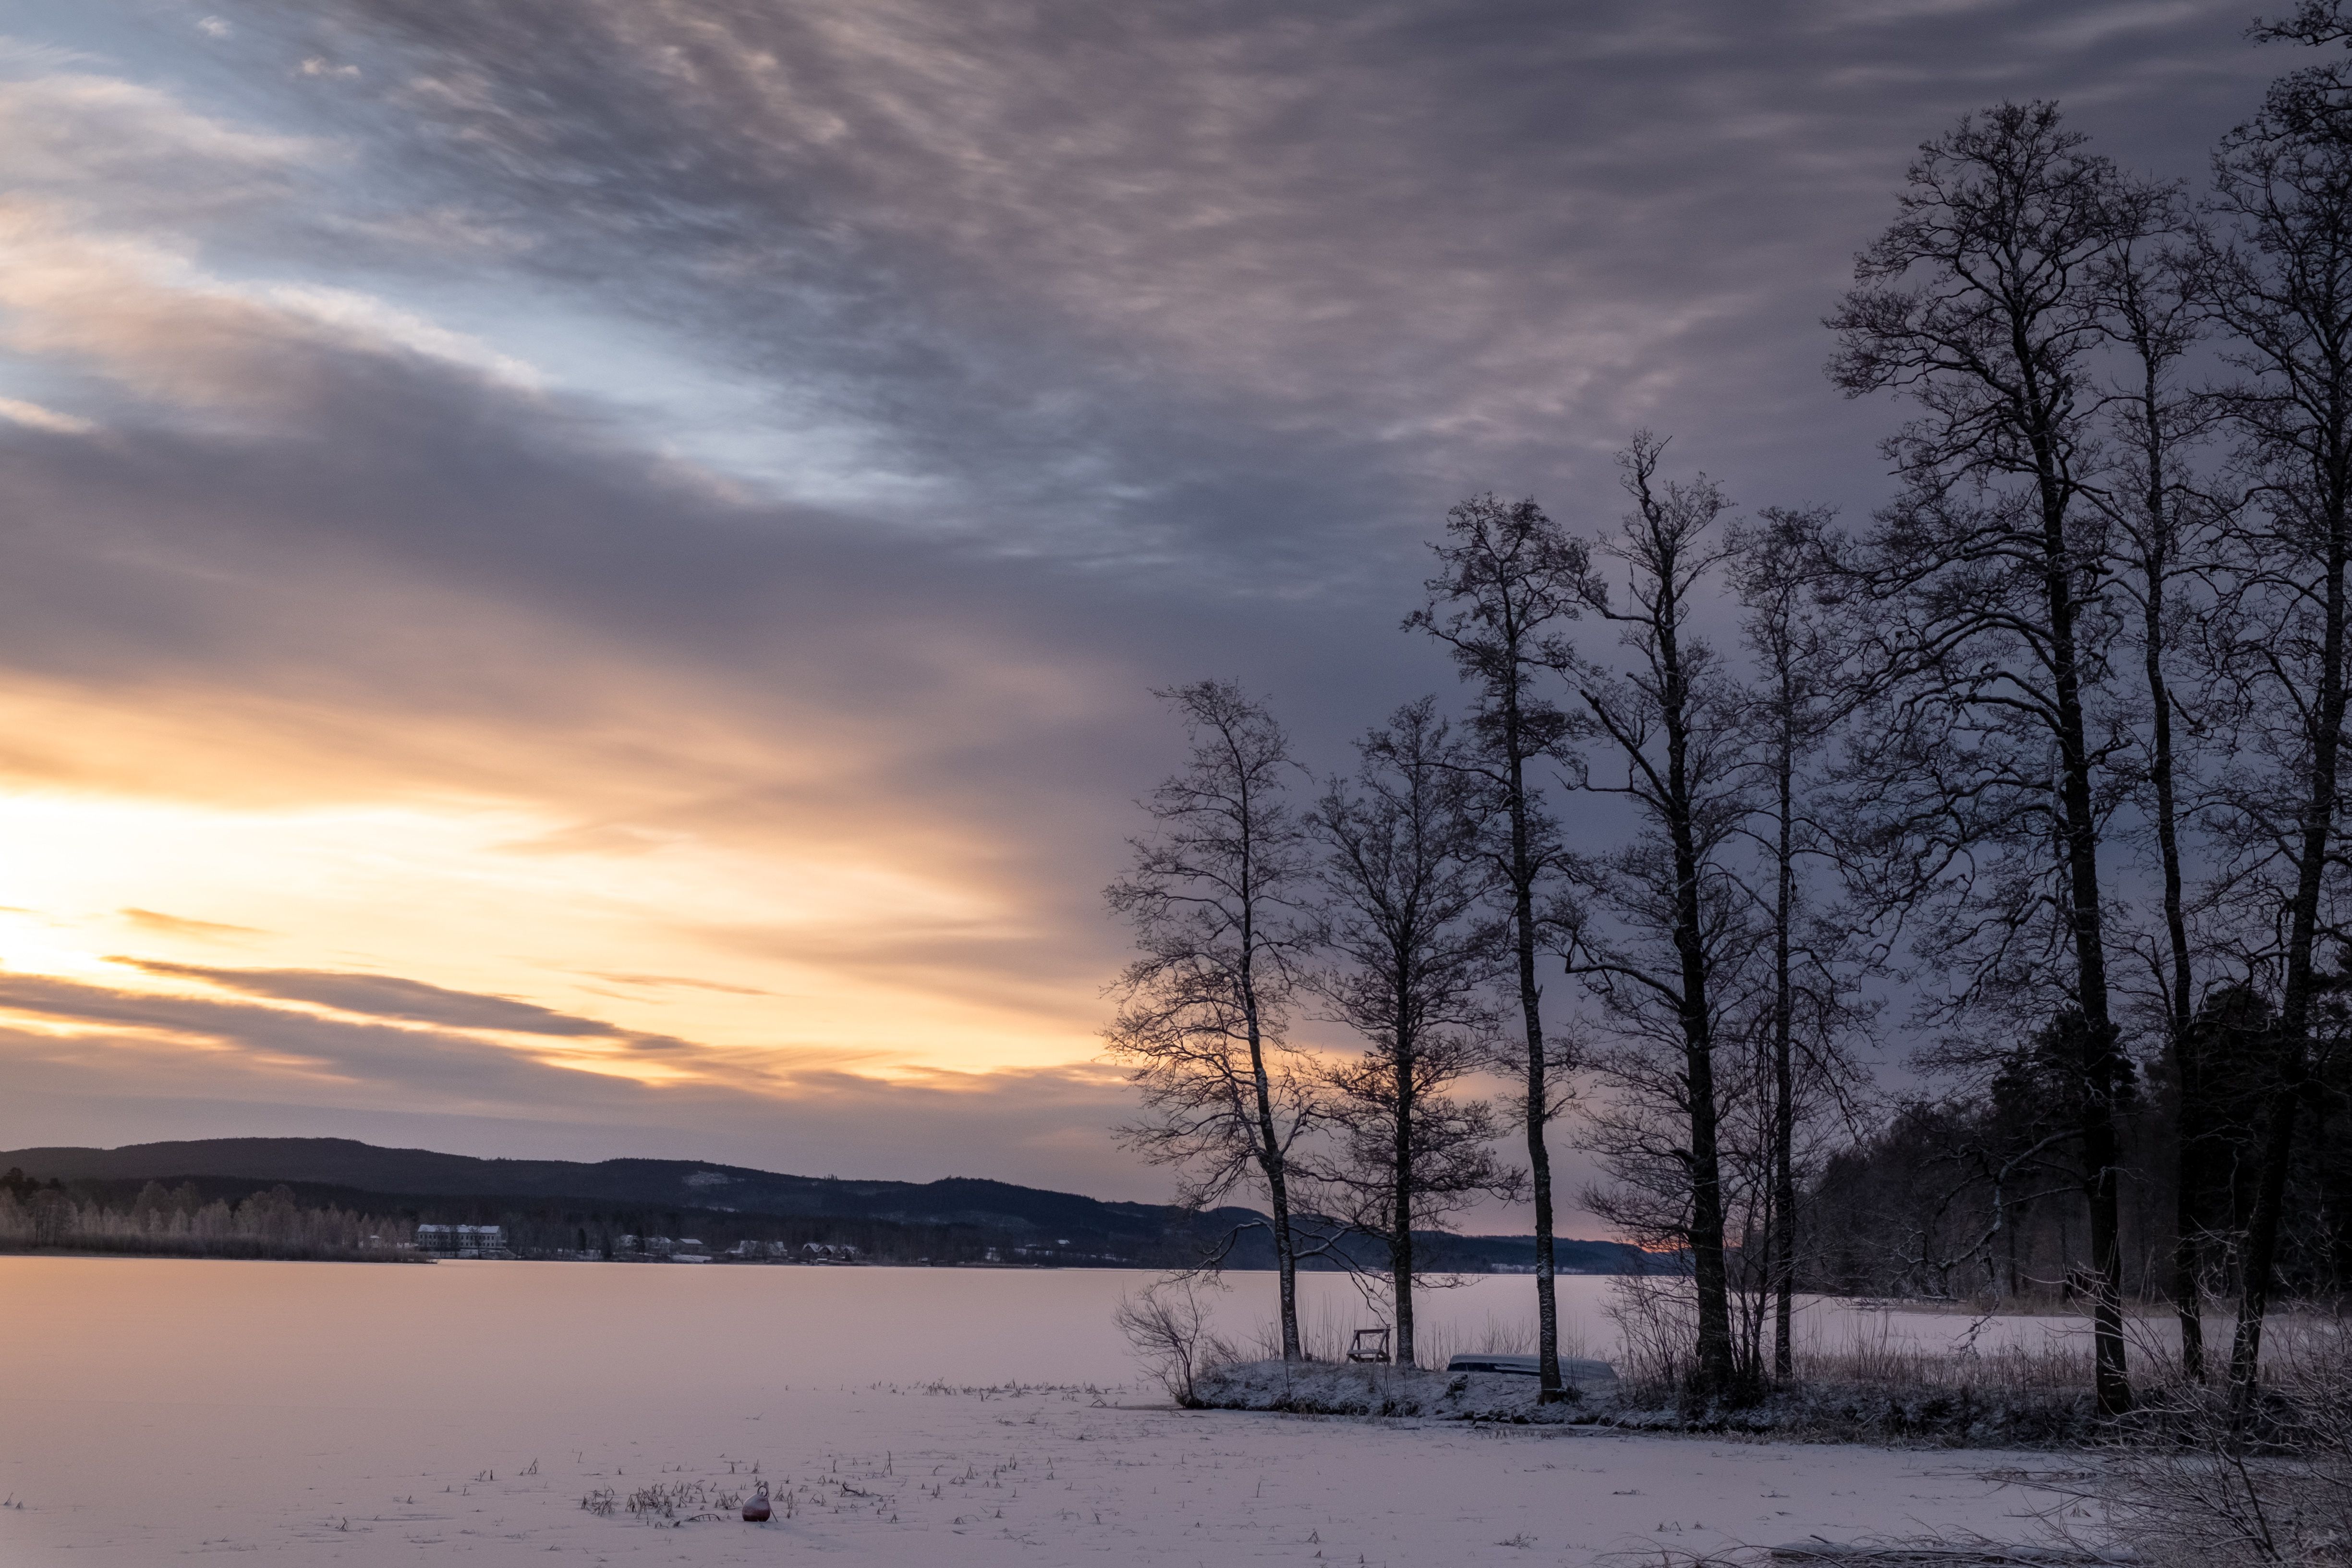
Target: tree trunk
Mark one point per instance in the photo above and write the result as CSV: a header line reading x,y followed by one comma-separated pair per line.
x,y
2189,1179
1401,1222
2262,1234
2156,564
1715,1350
2296,1004
1714,1357
2100,1151
1276,1168
2098,1060
2006,1215
1784,1106
2187,1132
1538,1091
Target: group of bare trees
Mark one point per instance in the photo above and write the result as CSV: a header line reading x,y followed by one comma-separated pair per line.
x,y
1365,908
1421,901
2101,633
2051,745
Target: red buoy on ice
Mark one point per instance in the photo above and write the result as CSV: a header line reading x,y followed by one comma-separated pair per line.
x,y
755,1508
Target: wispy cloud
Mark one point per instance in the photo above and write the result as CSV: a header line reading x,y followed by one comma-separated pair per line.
x,y
387,996
180,925
117,1060
35,416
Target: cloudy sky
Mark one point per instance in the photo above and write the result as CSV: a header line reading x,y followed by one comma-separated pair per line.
x,y
583,577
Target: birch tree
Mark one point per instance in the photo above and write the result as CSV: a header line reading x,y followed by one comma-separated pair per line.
x,y
1987,780
1660,931
2162,522
1405,874
1219,899
1508,584
1801,690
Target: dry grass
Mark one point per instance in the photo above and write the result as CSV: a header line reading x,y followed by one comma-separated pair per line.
x,y
2196,1480
1876,1357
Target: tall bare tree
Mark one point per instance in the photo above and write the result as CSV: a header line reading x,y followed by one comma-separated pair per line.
x,y
1989,767
1509,583
2280,286
1660,931
1405,873
2160,519
1219,897
1801,692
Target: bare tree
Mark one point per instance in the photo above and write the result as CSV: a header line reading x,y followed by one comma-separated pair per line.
x,y
1169,1325
1509,581
1660,931
1405,873
2315,22
2161,519
1801,693
1988,768
2280,284
1218,898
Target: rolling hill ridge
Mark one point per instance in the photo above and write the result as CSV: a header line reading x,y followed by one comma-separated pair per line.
x,y
427,1179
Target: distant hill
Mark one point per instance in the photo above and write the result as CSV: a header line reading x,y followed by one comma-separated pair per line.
x,y
685,1185
1139,1231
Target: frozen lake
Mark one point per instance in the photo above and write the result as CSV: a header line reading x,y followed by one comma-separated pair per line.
x,y
545,1332
335,1413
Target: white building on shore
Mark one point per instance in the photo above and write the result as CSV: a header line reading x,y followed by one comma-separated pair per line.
x,y
462,1241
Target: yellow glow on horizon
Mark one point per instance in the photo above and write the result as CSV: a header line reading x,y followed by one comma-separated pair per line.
x,y
678,938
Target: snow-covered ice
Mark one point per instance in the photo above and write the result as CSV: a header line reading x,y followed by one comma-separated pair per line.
x,y
152,1411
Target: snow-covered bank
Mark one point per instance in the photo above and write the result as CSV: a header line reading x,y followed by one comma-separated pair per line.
x,y
1948,1416
1348,1388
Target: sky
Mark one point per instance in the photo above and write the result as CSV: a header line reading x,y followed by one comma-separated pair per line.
x,y
584,578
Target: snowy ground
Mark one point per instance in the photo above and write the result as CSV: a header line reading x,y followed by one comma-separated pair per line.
x,y
892,1476
314,1414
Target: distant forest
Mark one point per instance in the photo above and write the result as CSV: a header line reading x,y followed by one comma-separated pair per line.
x,y
1969,1197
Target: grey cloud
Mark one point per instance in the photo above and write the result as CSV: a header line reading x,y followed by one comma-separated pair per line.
x,y
1048,1127
413,544
1045,1126
1219,278
452,1068
387,996
1202,302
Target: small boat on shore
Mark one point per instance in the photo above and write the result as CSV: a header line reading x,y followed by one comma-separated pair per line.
x,y
1574,1370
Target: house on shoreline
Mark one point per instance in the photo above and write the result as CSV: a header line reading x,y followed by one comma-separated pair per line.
x,y
463,1241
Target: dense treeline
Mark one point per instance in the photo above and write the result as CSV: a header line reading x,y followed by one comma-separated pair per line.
x,y
1968,1198
186,1221
2048,748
